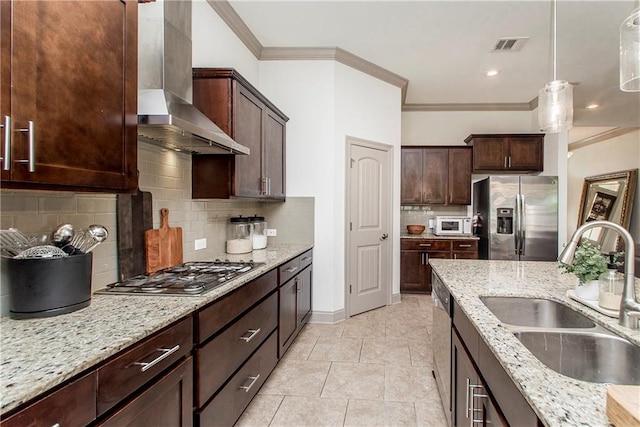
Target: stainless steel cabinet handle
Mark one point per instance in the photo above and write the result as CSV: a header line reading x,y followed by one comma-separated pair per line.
x,y
56,425
6,160
307,258
290,269
505,162
298,286
425,245
166,352
464,246
246,388
509,162
252,333
455,256
269,186
31,161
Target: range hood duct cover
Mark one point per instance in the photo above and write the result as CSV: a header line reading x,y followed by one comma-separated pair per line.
x,y
166,116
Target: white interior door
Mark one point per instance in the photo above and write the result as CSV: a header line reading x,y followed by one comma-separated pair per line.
x,y
369,219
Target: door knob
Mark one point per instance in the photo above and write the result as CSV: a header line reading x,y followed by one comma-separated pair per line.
x,y
384,236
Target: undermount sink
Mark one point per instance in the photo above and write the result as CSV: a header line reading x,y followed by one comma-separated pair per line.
x,y
593,357
535,312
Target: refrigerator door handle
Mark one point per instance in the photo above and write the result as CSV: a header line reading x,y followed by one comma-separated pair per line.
x,y
516,226
523,225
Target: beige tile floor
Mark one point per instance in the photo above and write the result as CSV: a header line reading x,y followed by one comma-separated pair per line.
x,y
373,369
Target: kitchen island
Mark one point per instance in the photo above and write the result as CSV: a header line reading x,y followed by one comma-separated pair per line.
x,y
37,355
556,399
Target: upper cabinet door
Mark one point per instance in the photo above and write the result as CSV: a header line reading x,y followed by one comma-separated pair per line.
x,y
274,156
489,153
526,153
459,176
247,130
435,175
411,176
73,105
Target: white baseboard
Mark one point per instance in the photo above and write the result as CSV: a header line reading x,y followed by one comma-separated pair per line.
x,y
327,317
395,298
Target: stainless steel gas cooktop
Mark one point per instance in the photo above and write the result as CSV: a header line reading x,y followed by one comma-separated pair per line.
x,y
190,278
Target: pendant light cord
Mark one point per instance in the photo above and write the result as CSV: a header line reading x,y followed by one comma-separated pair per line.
x,y
555,18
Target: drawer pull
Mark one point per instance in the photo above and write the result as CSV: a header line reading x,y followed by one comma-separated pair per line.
x,y
425,245
166,352
56,425
252,333
291,269
464,246
246,388
307,258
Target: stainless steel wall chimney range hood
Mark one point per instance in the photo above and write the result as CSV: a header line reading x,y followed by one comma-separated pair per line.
x,y
166,116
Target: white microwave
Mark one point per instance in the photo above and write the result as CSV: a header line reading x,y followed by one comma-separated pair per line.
x,y
452,225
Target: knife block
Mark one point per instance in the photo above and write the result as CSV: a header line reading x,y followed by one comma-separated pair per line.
x,y
45,287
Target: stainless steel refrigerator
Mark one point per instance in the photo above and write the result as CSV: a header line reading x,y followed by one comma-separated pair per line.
x,y
519,217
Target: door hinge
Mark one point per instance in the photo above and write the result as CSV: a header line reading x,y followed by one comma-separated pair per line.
x,y
350,226
349,288
352,162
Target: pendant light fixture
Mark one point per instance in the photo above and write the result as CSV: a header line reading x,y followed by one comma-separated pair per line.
x,y
555,99
630,53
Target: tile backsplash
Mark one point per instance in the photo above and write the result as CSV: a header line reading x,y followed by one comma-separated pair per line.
x,y
167,175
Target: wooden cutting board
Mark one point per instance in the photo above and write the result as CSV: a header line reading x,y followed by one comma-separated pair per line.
x,y
134,217
164,245
623,405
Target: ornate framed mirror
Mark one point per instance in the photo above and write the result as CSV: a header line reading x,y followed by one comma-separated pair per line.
x,y
608,197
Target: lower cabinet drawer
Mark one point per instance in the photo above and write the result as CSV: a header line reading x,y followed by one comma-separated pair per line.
x,y
72,405
139,365
227,406
425,245
219,358
168,402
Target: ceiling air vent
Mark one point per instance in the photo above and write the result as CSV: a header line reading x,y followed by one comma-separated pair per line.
x,y
509,44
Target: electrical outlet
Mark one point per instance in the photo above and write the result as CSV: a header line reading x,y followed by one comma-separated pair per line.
x,y
201,244
272,232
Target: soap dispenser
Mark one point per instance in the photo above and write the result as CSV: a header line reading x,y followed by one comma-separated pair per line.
x,y
611,284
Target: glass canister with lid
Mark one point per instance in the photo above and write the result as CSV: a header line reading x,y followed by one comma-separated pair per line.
x,y
239,235
258,232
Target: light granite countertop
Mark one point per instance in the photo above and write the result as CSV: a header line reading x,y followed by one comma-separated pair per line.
x,y
428,235
558,400
38,354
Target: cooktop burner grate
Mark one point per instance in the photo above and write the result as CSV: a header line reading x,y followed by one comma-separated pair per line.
x,y
190,278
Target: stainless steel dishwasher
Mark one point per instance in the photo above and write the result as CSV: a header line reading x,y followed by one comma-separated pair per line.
x,y
441,342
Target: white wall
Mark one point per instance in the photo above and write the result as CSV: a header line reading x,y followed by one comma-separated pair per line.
x,y
370,109
452,127
612,155
327,101
215,45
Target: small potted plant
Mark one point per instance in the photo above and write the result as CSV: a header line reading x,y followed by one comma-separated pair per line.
x,y
588,264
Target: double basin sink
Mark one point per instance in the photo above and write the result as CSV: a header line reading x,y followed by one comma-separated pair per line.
x,y
567,341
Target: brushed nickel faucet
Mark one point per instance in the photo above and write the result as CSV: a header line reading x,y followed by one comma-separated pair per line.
x,y
629,307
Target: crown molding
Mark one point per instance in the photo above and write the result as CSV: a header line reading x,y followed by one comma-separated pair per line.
x,y
603,136
237,25
523,106
339,55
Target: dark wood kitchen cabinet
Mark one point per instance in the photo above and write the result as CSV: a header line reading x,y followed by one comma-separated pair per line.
x,y
237,348
507,152
146,382
72,405
69,95
436,176
242,112
295,279
415,270
168,402
480,386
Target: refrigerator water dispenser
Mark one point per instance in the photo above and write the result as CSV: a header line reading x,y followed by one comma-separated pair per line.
x,y
505,220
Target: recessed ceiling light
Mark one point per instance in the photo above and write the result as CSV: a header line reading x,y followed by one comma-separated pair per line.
x,y
492,73
592,106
